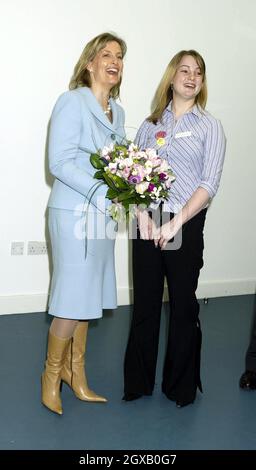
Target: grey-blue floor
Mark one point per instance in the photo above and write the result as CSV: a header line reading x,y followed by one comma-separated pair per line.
x,y
223,417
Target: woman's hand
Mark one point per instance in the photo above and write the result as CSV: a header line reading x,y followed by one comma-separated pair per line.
x,y
147,227
169,230
195,204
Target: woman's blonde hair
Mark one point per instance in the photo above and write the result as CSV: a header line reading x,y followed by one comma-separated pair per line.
x,y
164,91
81,76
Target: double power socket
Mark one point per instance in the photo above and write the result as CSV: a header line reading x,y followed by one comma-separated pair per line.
x,y
33,248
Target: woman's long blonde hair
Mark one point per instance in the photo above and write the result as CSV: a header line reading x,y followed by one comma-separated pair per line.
x,y
164,91
81,76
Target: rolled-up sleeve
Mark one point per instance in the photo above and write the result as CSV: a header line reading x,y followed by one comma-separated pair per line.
x,y
214,153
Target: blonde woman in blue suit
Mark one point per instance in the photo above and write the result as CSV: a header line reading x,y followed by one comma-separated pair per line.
x,y
84,119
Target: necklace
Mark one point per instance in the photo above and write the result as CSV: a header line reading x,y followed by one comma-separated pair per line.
x,y
108,110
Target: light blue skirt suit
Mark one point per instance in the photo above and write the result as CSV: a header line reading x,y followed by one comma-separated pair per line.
x,y
82,234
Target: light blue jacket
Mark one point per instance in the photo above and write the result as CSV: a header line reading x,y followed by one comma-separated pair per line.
x,y
78,128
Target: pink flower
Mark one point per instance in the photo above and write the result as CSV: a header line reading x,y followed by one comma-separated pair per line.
x,y
125,172
160,135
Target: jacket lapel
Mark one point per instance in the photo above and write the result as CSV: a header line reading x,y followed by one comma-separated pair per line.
x,y
96,109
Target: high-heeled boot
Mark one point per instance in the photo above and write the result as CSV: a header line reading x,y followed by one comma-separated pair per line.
x,y
73,371
51,377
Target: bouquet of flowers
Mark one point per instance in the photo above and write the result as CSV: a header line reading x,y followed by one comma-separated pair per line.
x,y
133,176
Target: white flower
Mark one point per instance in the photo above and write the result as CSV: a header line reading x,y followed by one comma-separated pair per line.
x,y
117,212
156,192
124,162
151,153
140,188
148,167
132,147
107,150
164,166
112,167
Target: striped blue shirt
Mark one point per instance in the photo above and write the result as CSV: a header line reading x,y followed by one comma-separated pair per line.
x,y
194,146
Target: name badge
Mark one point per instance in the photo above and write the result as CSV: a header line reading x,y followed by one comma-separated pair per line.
x,y
183,134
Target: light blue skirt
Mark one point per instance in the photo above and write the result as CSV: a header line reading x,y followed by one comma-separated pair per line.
x,y
83,280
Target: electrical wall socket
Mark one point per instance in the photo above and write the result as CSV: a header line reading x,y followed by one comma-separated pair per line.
x,y
37,248
17,248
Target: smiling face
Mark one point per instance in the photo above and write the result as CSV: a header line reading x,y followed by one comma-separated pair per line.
x,y
107,66
188,79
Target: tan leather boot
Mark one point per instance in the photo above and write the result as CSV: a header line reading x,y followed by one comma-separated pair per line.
x,y
73,372
51,377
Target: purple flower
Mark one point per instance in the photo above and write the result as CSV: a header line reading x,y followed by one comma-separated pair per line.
x,y
162,176
134,179
151,187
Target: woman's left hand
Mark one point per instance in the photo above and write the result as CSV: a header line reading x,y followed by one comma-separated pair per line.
x,y
168,231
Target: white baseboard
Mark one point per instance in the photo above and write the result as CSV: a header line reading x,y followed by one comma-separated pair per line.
x,y
22,303
210,289
29,303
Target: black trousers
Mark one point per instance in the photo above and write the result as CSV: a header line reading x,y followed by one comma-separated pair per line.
x,y
181,371
250,360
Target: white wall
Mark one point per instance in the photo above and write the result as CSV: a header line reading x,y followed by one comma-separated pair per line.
x,y
41,41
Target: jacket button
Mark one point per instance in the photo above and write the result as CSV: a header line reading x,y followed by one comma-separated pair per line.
x,y
113,137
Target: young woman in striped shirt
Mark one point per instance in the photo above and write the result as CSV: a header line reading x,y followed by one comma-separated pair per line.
x,y
193,142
